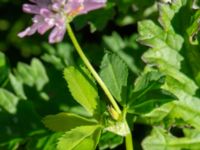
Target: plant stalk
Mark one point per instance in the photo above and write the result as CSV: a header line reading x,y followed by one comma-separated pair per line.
x,y
129,142
91,69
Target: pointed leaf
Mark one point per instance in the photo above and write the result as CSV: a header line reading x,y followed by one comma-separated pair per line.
x,y
8,101
118,46
65,121
39,74
35,74
114,73
17,86
82,88
23,73
84,137
194,29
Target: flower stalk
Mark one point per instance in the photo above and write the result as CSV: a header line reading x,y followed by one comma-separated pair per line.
x,y
129,142
91,69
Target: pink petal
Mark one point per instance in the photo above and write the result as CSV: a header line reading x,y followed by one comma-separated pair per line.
x,y
57,34
28,31
32,9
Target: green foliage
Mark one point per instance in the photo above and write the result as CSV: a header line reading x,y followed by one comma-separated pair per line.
x,y
83,88
8,101
34,74
116,44
147,94
4,70
194,28
60,57
65,121
109,140
84,137
161,140
155,89
115,73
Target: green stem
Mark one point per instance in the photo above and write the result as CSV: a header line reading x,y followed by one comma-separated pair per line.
x,y
91,69
129,142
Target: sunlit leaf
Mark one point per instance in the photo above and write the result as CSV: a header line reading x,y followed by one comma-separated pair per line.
x,y
39,73
17,86
82,88
8,101
84,137
160,139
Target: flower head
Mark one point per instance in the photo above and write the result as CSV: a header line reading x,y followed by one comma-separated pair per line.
x,y
55,14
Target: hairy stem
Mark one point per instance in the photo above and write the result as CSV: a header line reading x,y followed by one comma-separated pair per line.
x,y
129,142
91,69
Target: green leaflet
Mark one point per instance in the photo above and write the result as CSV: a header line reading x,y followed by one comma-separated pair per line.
x,y
60,57
8,101
39,74
2,59
4,69
147,94
83,88
187,109
65,121
34,74
148,81
164,45
17,86
118,46
109,140
84,137
167,12
160,139
179,84
44,141
194,29
23,73
163,53
114,73
120,128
